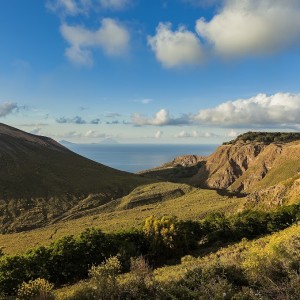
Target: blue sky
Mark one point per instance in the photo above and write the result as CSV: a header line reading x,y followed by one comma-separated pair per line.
x,y
161,71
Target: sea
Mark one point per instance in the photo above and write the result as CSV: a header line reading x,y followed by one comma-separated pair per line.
x,y
137,157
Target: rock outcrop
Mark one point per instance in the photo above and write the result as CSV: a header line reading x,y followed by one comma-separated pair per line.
x,y
249,166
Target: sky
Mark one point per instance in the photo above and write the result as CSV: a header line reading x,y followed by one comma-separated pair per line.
x,y
140,71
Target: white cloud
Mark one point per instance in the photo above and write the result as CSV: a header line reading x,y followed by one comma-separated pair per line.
x,y
158,134
161,118
232,134
246,27
36,131
115,4
195,134
70,134
69,7
94,134
183,134
7,108
281,110
111,37
176,48
77,7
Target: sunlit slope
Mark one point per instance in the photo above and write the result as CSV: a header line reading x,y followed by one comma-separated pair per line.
x,y
191,204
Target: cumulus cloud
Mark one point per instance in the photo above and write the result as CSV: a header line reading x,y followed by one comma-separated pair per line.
x,y
7,108
112,37
176,48
281,109
96,121
158,134
252,27
161,118
75,120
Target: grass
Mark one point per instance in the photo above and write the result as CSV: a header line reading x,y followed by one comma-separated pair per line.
x,y
279,173
194,204
242,252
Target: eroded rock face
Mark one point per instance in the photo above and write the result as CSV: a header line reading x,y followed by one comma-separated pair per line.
x,y
227,164
186,160
239,167
243,166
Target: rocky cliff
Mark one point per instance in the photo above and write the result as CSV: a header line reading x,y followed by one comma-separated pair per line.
x,y
240,166
249,166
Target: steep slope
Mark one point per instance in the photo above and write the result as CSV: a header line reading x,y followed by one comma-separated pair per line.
x,y
254,161
227,164
249,166
284,193
41,181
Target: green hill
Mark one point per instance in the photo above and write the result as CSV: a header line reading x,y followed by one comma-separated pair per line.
x,y
41,181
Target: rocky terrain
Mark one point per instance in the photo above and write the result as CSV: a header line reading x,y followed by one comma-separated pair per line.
x,y
243,166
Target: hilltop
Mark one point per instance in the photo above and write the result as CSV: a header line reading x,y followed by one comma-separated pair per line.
x,y
266,137
41,181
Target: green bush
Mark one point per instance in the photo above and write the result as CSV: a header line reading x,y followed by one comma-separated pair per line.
x,y
38,289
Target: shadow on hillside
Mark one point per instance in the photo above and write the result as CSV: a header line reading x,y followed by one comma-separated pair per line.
x,y
230,194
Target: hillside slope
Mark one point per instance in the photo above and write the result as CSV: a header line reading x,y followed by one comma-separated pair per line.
x,y
40,181
252,162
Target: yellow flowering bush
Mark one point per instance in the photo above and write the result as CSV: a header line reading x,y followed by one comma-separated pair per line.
x,y
38,289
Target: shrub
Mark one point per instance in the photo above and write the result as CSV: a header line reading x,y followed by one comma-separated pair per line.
x,y
104,278
139,283
38,289
169,237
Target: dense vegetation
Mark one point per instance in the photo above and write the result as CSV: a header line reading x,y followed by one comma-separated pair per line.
x,y
69,259
266,137
267,268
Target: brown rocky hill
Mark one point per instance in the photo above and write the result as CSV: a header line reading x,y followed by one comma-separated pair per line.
x,y
41,181
242,165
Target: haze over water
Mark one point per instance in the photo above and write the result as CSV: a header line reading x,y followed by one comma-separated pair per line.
x,y
137,157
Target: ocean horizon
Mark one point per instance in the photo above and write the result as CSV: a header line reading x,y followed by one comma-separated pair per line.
x,y
138,157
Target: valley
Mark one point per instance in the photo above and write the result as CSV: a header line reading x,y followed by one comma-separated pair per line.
x,y
248,188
